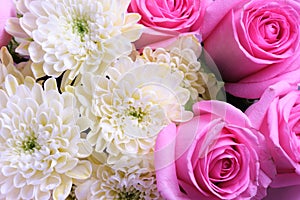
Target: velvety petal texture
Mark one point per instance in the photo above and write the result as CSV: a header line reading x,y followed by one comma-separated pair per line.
x,y
216,155
276,115
256,44
165,20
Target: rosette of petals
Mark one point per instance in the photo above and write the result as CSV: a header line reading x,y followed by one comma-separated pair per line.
x,y
73,36
130,104
40,142
109,183
201,84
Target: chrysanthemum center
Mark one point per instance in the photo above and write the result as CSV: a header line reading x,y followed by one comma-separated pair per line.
x,y
30,144
130,193
137,113
80,27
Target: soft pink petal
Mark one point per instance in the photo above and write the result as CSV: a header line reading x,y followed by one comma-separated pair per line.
x,y
167,182
223,110
253,90
214,13
7,10
257,111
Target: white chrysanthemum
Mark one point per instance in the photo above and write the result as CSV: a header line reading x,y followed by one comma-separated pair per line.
x,y
108,183
40,142
202,85
73,36
130,104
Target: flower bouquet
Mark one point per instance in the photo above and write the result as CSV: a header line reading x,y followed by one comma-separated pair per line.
x,y
160,99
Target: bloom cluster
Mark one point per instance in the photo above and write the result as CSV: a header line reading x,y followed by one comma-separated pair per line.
x,y
137,99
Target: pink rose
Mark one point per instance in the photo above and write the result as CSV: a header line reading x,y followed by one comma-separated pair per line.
x,y
7,10
216,155
255,45
166,20
277,116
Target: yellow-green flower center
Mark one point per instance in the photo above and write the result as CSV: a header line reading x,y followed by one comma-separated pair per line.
x,y
130,193
137,113
30,144
80,27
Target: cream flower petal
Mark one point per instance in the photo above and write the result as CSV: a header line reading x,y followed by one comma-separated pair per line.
x,y
182,56
70,37
129,104
40,141
82,170
63,190
109,183
10,85
13,26
27,192
7,66
85,149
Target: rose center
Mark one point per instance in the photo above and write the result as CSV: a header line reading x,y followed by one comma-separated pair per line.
x,y
226,163
272,32
226,166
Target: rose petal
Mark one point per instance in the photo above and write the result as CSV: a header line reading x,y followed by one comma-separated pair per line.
x,y
257,111
167,182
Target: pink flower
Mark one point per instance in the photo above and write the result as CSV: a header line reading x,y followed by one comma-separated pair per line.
x,y
255,45
166,20
277,116
7,10
216,155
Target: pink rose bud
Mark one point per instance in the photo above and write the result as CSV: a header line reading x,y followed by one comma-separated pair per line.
x,y
7,10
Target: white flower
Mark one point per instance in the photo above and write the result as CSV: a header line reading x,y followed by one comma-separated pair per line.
x,y
130,104
108,183
40,143
202,85
73,36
